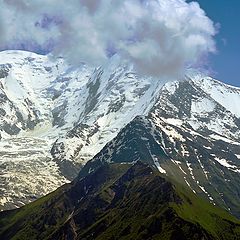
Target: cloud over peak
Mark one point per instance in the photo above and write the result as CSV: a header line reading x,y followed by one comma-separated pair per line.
x,y
160,37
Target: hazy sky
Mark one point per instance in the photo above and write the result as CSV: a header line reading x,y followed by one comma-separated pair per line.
x,y
226,63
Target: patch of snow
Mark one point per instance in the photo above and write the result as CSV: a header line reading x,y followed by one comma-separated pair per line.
x,y
202,167
189,185
173,121
168,129
190,170
179,165
160,169
184,151
207,147
171,87
218,137
202,106
227,96
224,163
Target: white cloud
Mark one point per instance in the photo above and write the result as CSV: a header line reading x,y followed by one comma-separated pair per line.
x,y
158,36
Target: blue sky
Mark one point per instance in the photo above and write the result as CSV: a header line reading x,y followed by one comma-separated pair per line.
x,y
226,62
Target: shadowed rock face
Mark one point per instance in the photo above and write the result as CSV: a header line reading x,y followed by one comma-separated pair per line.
x,y
180,153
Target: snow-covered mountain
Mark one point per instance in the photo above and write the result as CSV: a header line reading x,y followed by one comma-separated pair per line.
x,y
56,117
45,103
190,136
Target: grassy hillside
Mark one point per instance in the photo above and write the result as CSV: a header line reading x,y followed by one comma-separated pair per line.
x,y
120,201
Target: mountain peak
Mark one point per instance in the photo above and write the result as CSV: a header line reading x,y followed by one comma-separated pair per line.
x,y
74,112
